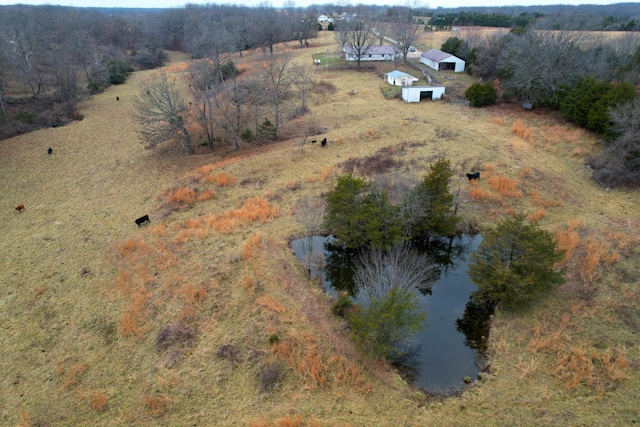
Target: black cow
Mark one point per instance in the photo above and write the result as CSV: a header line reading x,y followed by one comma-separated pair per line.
x,y
49,150
117,98
324,142
313,141
142,220
475,175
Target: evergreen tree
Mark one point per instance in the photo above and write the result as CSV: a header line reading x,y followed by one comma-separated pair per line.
x,y
451,45
515,263
359,218
481,94
589,102
432,211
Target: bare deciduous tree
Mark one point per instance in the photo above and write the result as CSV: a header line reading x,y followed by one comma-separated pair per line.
x,y
201,78
553,53
358,36
379,272
404,30
276,78
619,163
161,111
302,81
310,214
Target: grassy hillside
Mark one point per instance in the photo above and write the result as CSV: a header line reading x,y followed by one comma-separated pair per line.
x,y
204,317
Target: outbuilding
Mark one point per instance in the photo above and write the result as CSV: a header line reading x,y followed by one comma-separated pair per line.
x,y
419,93
442,61
398,78
372,53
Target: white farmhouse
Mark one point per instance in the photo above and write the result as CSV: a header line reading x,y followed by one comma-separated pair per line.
x,y
398,78
373,53
441,61
323,18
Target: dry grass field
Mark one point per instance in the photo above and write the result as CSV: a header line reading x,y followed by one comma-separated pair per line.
x,y
204,317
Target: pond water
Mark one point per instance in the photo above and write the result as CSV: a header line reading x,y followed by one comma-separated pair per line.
x,y
453,336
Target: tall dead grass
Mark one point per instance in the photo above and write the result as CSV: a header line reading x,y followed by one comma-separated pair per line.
x,y
504,186
317,367
251,245
478,194
519,129
598,254
253,210
568,239
577,362
538,200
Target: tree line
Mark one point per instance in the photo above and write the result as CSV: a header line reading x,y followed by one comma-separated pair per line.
x,y
52,55
556,62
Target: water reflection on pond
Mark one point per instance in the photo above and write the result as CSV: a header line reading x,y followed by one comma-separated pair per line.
x,y
455,331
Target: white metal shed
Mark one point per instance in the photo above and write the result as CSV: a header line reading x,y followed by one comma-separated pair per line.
x,y
419,93
441,61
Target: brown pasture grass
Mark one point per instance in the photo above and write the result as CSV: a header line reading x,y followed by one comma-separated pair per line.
x,y
523,132
326,172
525,172
50,230
224,179
253,210
568,239
537,215
271,303
158,404
207,194
180,198
250,246
288,421
559,133
98,401
577,362
73,375
497,120
538,200
504,186
598,254
316,367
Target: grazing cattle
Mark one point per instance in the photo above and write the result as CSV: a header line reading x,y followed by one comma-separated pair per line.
x,y
324,142
117,98
142,220
313,141
49,150
20,207
475,175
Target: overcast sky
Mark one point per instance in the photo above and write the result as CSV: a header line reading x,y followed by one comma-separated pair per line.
x,y
278,3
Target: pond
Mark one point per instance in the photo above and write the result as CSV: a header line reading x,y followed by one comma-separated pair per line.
x,y
453,338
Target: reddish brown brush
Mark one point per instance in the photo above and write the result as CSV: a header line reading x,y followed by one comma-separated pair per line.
x,y
224,179
207,194
522,131
538,200
73,375
99,401
567,241
504,186
181,197
250,246
158,404
537,215
497,120
270,302
326,172
597,253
